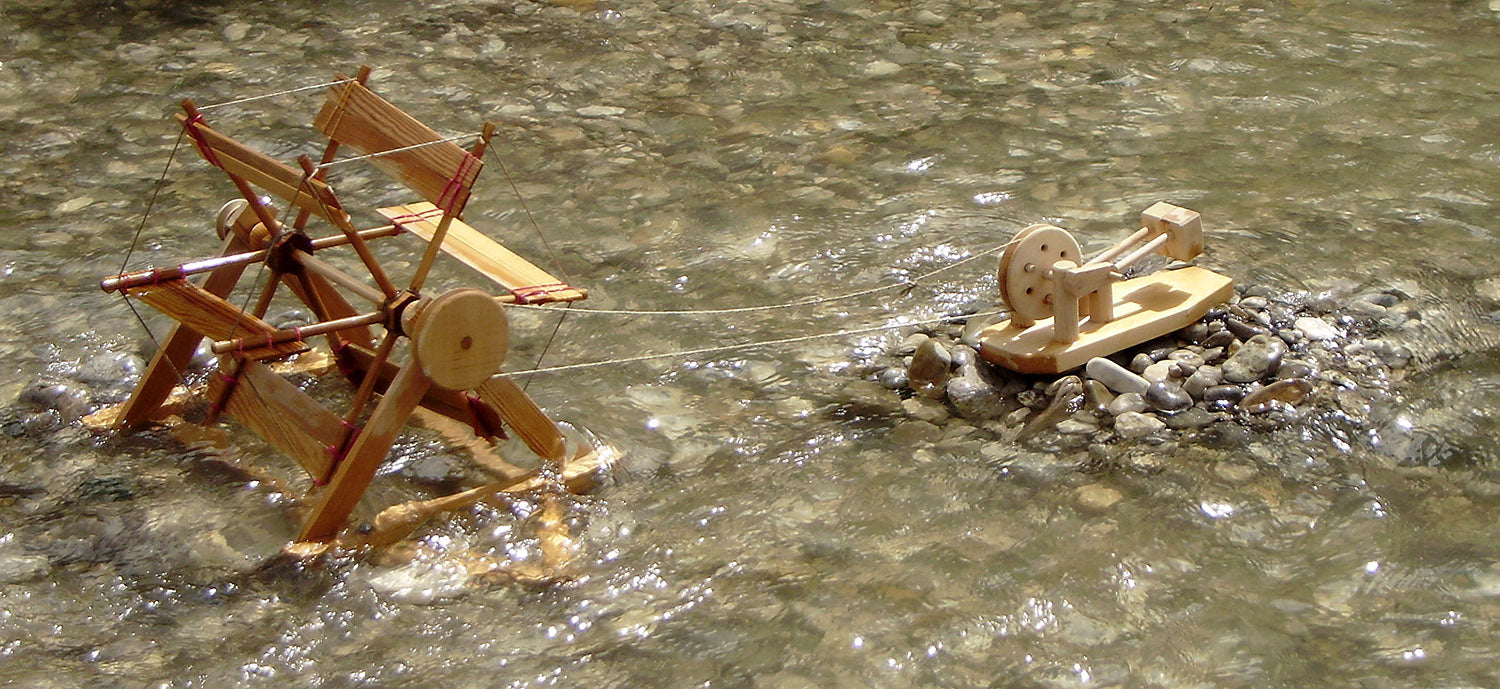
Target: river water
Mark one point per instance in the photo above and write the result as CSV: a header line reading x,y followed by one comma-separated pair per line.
x,y
770,526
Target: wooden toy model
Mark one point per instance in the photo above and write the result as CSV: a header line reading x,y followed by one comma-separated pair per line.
x,y
457,339
1065,311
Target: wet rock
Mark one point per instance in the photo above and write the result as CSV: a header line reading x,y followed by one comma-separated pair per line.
x,y
1202,379
1222,338
1316,329
1295,368
929,367
1234,472
1066,386
1128,402
599,111
109,368
1258,358
910,344
1114,376
1158,372
1097,396
1141,362
1243,330
1097,497
1190,418
1137,425
974,398
1289,392
1167,397
1195,332
1187,357
1223,393
291,318
962,356
16,566
924,409
892,379
1075,427
69,403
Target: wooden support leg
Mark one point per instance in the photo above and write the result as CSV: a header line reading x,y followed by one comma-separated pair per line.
x,y
358,467
166,367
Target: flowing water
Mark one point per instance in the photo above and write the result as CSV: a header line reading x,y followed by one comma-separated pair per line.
x,y
770,526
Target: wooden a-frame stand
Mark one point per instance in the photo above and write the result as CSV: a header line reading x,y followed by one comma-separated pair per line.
x,y
458,339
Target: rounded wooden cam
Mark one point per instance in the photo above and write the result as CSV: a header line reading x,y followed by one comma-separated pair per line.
x,y
1025,275
460,338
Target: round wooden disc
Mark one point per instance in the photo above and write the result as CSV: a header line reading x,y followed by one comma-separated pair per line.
x,y
460,339
1024,281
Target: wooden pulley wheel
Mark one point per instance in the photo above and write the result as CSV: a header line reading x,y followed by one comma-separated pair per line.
x,y
460,338
1026,268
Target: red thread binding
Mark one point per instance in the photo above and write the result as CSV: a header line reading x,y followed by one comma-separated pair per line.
x,y
533,294
199,140
449,197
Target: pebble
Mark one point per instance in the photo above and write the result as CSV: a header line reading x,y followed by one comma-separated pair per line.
x,y
1097,497
893,379
1114,376
1190,418
930,365
1158,372
1066,386
1315,329
1097,396
1223,393
1290,392
923,409
1202,379
1242,330
1137,425
1141,362
598,111
1128,402
70,403
1257,358
1167,397
1221,338
973,398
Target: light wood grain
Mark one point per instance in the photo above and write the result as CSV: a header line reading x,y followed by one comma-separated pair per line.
x,y
266,403
209,315
524,417
478,251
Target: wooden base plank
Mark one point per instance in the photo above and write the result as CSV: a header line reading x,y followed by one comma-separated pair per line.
x,y
283,415
527,283
1145,307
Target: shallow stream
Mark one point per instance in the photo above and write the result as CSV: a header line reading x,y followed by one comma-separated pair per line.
x,y
772,524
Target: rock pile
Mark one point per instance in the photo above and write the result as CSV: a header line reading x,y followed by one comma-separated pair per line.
x,y
1264,360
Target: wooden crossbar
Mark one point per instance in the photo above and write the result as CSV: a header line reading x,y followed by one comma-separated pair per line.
x,y
211,316
443,172
261,170
528,284
283,415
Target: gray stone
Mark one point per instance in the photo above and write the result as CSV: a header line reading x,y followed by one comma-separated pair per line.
x,y
893,378
1187,356
1075,427
910,344
1128,402
1097,396
1167,397
70,403
1223,393
1316,328
1288,392
1255,303
1158,372
1195,332
973,398
1141,362
962,356
1066,386
1190,418
1257,358
1114,376
924,409
1137,425
930,366
1221,338
1202,379
1242,330
1295,368
595,111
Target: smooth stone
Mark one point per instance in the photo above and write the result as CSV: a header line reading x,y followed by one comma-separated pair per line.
x,y
1191,418
1295,368
1214,353
1128,402
962,356
1137,425
892,378
910,344
1141,362
596,111
1364,309
1097,497
1234,472
1194,333
70,403
1243,330
1182,369
1202,379
1221,338
1158,372
923,409
1223,393
1097,396
1114,376
1167,397
1255,302
973,398
1257,358
1187,356
930,365
110,368
1289,392
1075,427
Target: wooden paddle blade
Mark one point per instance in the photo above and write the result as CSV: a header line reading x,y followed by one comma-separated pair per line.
x,y
522,415
482,418
283,415
209,315
355,470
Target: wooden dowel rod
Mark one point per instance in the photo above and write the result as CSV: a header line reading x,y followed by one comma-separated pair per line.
x,y
342,223
154,275
339,277
1121,247
1140,253
280,336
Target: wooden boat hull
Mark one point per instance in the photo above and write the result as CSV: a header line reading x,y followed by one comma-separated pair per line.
x,y
1145,307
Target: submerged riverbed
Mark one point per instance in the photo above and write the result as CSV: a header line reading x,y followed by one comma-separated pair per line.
x,y
775,522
